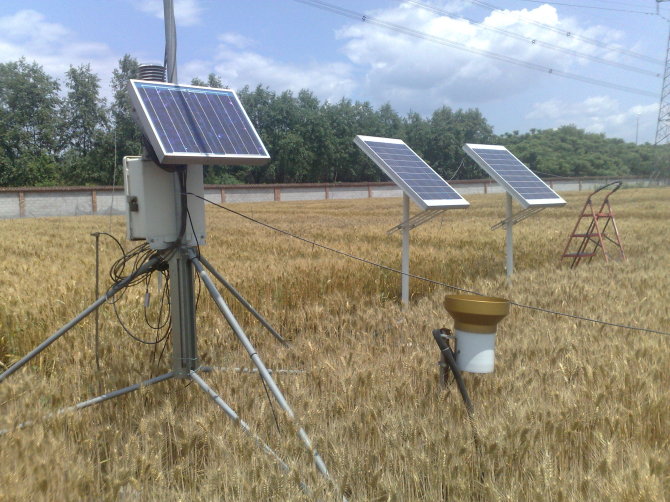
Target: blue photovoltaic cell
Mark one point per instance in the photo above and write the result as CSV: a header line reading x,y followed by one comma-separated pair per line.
x,y
500,164
192,122
406,167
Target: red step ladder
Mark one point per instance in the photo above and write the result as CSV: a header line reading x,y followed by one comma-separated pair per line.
x,y
584,244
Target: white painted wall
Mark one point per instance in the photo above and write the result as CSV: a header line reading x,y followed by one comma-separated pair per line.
x,y
73,202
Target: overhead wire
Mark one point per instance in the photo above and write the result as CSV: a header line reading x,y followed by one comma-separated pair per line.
x,y
421,278
582,6
457,45
536,42
571,34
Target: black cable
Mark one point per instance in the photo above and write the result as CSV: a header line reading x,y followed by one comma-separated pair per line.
x,y
184,203
136,259
165,290
195,236
272,407
118,243
129,333
425,279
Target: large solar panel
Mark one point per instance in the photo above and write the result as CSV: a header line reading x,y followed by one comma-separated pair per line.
x,y
407,170
188,124
513,175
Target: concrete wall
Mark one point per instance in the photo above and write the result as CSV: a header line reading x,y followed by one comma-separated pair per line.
x,y
72,201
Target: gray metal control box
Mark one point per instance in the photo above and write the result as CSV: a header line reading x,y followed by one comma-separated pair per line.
x,y
151,195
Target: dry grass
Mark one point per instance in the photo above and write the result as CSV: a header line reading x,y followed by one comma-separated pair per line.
x,y
574,411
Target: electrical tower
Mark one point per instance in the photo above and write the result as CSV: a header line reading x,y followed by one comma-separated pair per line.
x,y
663,124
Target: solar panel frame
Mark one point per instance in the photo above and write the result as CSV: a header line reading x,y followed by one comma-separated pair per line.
x,y
513,187
183,128
368,143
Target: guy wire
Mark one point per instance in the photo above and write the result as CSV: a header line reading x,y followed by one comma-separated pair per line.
x,y
425,279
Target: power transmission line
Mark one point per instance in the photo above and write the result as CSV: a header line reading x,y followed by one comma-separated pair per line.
x,y
537,42
456,45
630,11
583,38
630,4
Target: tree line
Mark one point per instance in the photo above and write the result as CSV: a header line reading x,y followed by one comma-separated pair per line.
x,y
54,133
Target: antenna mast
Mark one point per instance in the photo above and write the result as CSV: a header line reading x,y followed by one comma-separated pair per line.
x,y
170,41
182,293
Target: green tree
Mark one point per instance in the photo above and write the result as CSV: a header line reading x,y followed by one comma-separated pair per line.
x,y
29,124
86,119
448,132
570,151
128,137
259,105
213,80
84,109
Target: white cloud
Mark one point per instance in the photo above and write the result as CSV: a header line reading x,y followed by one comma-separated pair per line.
x,y
186,12
599,114
236,40
238,68
30,35
424,70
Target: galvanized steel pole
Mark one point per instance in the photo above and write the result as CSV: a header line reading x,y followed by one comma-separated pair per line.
x,y
509,243
405,250
255,358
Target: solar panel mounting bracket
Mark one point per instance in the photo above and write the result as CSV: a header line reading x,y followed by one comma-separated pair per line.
x,y
416,220
516,218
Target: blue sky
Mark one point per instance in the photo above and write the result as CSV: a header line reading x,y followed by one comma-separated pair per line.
x,y
415,54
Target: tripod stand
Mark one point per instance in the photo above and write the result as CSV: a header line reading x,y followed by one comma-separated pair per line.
x,y
182,366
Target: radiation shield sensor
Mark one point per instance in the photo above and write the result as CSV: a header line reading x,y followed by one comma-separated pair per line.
x,y
188,124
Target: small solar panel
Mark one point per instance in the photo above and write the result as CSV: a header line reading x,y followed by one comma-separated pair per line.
x,y
189,124
514,176
407,170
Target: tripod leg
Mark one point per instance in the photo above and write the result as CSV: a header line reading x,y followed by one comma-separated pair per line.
x,y
96,400
242,300
265,374
245,427
149,265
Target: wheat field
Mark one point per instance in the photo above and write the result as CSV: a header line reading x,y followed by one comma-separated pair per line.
x,y
574,411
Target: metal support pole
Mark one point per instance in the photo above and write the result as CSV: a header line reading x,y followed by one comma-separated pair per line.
x,y
182,308
243,425
182,294
255,358
97,294
405,250
509,243
170,41
96,400
242,300
147,267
